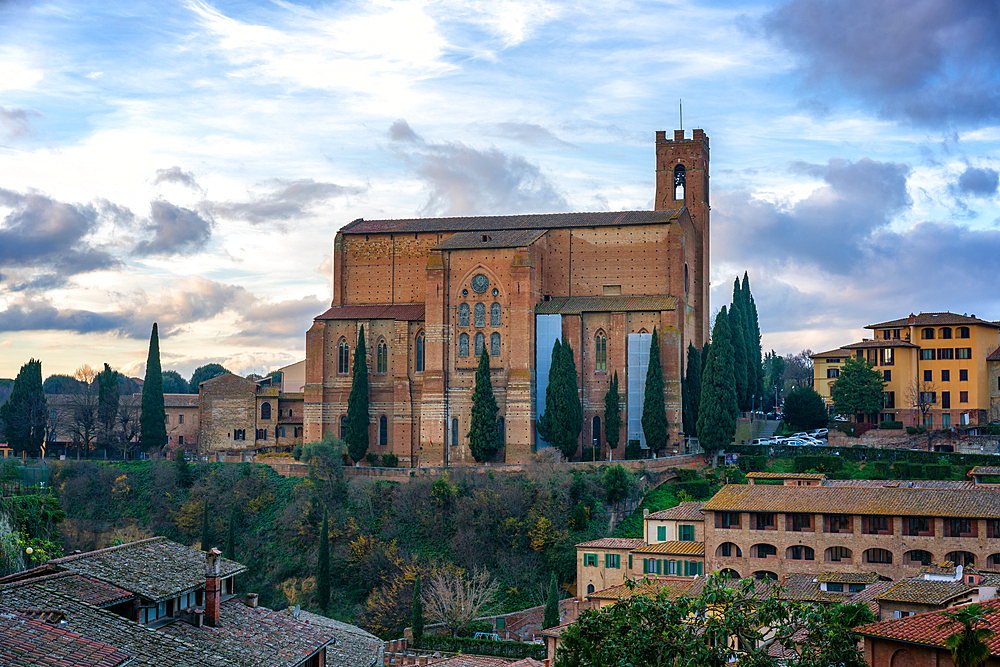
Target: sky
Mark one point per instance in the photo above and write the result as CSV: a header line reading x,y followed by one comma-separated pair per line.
x,y
189,163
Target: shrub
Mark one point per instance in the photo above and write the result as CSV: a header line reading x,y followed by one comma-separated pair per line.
x,y
938,471
372,458
820,463
890,425
297,451
589,454
881,469
515,650
633,451
699,490
753,463
390,461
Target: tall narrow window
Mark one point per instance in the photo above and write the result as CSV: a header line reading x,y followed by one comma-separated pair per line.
x,y
343,427
595,431
454,432
343,356
383,431
383,358
502,431
679,182
265,411
495,314
480,314
480,343
463,345
495,344
601,351
420,352
463,315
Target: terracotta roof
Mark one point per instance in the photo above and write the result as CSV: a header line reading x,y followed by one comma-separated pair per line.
x,y
503,238
86,589
785,475
498,222
405,312
927,628
879,343
897,484
985,470
922,591
254,636
994,355
839,352
180,400
673,547
871,592
977,502
155,569
613,543
649,587
574,305
353,647
848,577
469,661
26,642
925,319
803,586
687,511
527,662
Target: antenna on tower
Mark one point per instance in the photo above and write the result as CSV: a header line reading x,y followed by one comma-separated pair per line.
x,y
680,107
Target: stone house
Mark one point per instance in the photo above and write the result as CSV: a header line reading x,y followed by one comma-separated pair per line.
x,y
242,416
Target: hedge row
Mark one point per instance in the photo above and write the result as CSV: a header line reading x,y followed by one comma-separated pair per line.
x,y
863,454
515,650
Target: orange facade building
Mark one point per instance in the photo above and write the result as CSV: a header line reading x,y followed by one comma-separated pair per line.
x,y
431,293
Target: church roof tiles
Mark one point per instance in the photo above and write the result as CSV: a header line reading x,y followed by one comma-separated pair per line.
x,y
574,305
499,222
503,238
406,312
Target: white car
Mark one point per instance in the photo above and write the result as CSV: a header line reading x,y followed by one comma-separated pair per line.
x,y
820,433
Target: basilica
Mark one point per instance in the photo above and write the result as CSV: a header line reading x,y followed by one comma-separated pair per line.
x,y
432,294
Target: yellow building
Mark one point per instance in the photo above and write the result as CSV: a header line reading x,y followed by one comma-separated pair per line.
x,y
934,365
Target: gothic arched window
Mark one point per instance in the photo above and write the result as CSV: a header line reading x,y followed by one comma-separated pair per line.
x,y
679,182
343,356
480,314
265,411
601,352
382,365
463,345
495,344
383,431
480,342
463,315
495,314
420,352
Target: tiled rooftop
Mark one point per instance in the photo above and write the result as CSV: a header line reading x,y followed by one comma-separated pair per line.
x,y
574,305
839,352
353,646
613,543
687,511
994,355
180,400
504,238
907,484
985,470
86,589
498,222
155,569
469,661
649,586
408,312
932,319
847,577
785,475
921,591
931,628
866,344
26,642
974,503
673,547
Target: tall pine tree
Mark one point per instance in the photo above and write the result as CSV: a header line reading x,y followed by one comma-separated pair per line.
x,y
562,421
25,413
737,320
153,416
417,622
323,565
484,437
754,349
654,409
356,430
718,411
551,616
692,391
612,415
107,403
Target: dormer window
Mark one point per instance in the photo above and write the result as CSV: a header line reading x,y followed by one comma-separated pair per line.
x,y
486,238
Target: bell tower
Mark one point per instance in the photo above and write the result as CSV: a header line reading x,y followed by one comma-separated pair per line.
x,y
682,180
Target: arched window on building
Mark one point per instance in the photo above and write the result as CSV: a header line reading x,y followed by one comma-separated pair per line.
x,y
595,432
480,314
383,431
963,332
480,342
463,315
927,334
454,431
495,314
680,177
265,411
687,284
420,352
601,352
945,333
463,345
590,589
382,365
495,344
343,356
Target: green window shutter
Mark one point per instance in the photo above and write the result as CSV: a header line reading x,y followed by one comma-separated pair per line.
x,y
687,568
630,561
607,560
659,566
661,533
700,564
645,566
618,561
687,533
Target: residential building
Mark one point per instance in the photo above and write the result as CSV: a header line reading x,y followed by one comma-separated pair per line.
x,y
238,415
993,371
433,294
934,365
182,421
937,587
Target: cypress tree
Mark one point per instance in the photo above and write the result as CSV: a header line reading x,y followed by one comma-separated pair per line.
x,y
484,439
718,410
753,330
739,341
574,414
612,414
692,390
231,542
654,410
418,613
107,402
323,565
562,421
153,416
25,413
182,469
551,618
204,529
357,403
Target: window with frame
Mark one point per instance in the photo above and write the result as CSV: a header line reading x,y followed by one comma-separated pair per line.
x,y
963,397
887,356
590,560
875,525
883,556
801,552
927,334
838,523
963,375
835,587
946,353
420,352
837,554
480,343
495,344
832,373
960,528
945,333
993,528
928,376
765,550
928,397
685,533
343,357
382,358
963,352
946,420
480,311
963,332
454,435
463,345
918,526
890,399
946,375
494,314
927,355
343,427
383,431
763,521
613,561
945,399
887,376
180,419
600,352
463,315
727,519
799,523
661,533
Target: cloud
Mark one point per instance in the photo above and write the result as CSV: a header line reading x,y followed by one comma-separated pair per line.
x,y
291,199
268,323
928,62
529,134
468,181
979,182
42,233
14,124
176,175
175,230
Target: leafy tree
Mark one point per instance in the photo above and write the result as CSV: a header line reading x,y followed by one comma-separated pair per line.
x,y
417,624
231,541
323,565
968,643
25,412
805,410
205,542
357,402
858,389
718,410
182,470
127,386
61,384
202,373
612,414
107,403
654,410
551,617
173,383
153,418
692,391
484,438
737,328
617,483
562,421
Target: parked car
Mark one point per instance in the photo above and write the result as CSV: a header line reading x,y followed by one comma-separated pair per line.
x,y
820,433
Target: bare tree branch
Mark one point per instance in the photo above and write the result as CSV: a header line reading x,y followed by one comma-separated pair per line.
x,y
454,600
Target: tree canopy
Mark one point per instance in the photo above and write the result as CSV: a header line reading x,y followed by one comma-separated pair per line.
x,y
805,410
356,431
654,410
561,423
858,389
692,391
173,383
484,437
61,384
25,413
206,372
718,410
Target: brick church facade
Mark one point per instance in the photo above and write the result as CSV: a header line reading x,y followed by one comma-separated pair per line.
x,y
432,293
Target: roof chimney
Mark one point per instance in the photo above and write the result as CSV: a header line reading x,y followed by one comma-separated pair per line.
x,y
213,591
